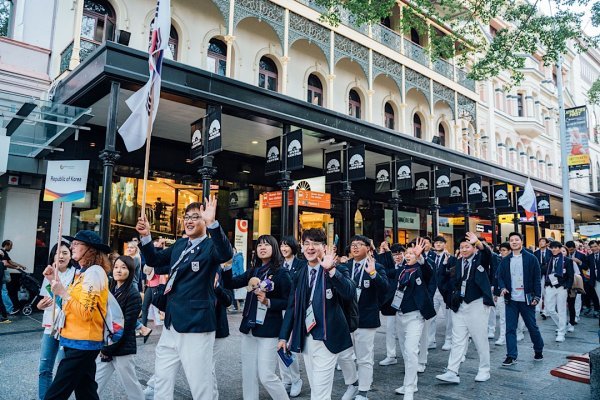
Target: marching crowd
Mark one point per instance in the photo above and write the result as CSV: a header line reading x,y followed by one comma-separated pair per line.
x,y
302,299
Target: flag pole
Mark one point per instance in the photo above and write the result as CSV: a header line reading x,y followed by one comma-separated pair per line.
x,y
58,242
147,155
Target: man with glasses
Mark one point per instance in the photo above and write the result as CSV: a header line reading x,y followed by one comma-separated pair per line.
x,y
190,315
314,322
371,290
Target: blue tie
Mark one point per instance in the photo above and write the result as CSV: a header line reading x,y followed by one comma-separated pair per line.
x,y
313,276
356,270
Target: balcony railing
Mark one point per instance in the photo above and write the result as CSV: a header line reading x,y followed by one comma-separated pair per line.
x,y
416,52
387,37
461,78
444,68
87,48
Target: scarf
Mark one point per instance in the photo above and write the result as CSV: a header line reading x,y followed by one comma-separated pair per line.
x,y
558,270
405,275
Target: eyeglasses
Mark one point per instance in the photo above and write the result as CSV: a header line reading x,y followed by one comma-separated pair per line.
x,y
357,244
313,244
76,243
194,217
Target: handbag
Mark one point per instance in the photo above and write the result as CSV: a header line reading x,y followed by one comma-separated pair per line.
x,y
159,298
577,285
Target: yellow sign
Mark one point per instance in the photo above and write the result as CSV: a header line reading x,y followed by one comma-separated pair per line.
x,y
506,218
456,221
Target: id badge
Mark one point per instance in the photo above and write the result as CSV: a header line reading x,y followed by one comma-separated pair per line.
x,y
261,312
398,299
310,319
519,283
463,288
553,279
358,292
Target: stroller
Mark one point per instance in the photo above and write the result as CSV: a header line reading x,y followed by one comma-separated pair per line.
x,y
28,292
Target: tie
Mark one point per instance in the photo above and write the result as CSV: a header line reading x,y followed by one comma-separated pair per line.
x,y
287,266
466,268
313,276
541,257
189,244
356,270
438,260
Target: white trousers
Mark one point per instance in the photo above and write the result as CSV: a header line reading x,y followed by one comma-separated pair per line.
x,y
320,367
501,312
364,344
538,307
195,353
492,321
289,374
578,303
440,309
423,343
125,368
556,307
410,327
390,335
448,313
259,361
218,348
471,319
597,289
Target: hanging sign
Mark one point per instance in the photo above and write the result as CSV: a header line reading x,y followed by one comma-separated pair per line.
x,y
383,177
404,175
442,182
543,205
273,157
501,199
213,129
356,167
474,190
577,138
485,197
333,167
66,180
456,191
422,186
196,148
295,151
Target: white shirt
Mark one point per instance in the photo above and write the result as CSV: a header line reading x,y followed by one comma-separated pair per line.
x,y
517,292
66,278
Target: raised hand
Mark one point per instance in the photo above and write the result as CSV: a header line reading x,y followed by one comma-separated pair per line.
x,y
419,247
370,265
383,247
472,237
142,226
328,261
209,210
49,272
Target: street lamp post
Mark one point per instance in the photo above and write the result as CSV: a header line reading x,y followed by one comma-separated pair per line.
x,y
566,190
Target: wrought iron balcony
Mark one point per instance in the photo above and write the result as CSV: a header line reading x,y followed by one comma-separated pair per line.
x,y
87,48
416,52
387,37
444,68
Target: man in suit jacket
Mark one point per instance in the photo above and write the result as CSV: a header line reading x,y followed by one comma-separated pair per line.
x,y
190,315
371,290
592,276
441,261
543,254
314,323
471,299
519,284
558,279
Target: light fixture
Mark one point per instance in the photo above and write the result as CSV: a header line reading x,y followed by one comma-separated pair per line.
x,y
254,142
92,144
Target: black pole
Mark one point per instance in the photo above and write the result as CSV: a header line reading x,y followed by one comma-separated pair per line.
x,y
494,227
536,226
516,220
207,171
435,216
285,183
346,195
395,203
109,157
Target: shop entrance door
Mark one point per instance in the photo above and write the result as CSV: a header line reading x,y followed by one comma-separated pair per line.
x,y
314,219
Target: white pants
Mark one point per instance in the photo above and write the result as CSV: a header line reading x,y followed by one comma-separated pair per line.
x,y
492,321
448,312
578,302
556,300
390,335
364,343
597,289
125,368
195,353
471,319
410,327
320,367
440,309
259,361
218,348
501,312
289,374
538,307
423,343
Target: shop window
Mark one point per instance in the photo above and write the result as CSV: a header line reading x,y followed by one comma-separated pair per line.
x,y
267,74
217,56
417,127
6,7
314,93
389,116
173,40
354,104
98,23
520,110
442,134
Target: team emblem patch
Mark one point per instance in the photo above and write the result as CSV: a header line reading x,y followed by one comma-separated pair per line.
x,y
329,294
418,281
195,266
480,268
367,283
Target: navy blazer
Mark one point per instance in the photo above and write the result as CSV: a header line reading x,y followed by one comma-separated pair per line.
x,y
594,267
224,300
386,259
278,298
416,293
191,302
568,273
374,291
580,256
531,272
296,265
341,288
547,256
478,283
443,278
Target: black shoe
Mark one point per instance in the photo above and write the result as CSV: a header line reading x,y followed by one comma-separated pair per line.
x,y
509,361
538,356
544,317
14,312
4,320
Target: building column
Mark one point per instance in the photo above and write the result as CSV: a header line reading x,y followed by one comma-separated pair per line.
x,y
329,96
285,59
529,110
74,62
229,63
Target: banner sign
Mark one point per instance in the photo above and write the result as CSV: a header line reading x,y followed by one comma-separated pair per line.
x,y
543,205
577,138
213,129
196,149
273,158
456,191
474,190
356,163
404,175
383,177
501,198
422,185
240,242
442,182
66,180
306,198
333,167
485,197
295,158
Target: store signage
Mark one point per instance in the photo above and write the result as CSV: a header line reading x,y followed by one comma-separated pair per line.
x,y
316,184
422,186
213,129
543,205
589,230
540,218
444,225
485,197
456,191
404,175
196,148
442,182
273,157
356,167
295,151
240,240
240,199
306,198
501,199
333,167
66,180
577,138
383,177
406,220
474,190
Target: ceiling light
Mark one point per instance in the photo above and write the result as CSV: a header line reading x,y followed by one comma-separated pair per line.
x,y
92,144
255,142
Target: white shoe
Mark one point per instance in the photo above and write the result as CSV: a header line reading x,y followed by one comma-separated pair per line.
x,y
296,388
482,377
432,346
361,397
388,361
491,335
447,346
449,377
500,342
350,393
463,359
401,390
337,367
421,368
570,328
149,393
576,319
560,338
520,337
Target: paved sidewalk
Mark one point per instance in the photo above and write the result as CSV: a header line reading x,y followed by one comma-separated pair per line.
x,y
19,354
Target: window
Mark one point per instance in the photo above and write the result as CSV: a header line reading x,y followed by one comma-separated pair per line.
x,y
520,111
414,36
417,128
173,42
5,16
314,93
353,104
386,22
442,134
267,74
389,116
98,23
217,57
493,31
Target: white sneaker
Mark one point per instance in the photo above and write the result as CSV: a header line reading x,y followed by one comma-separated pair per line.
x,y
570,328
401,390
560,338
520,337
296,388
361,397
350,393
337,367
388,361
149,393
449,377
447,346
463,359
432,346
421,368
500,342
491,335
482,377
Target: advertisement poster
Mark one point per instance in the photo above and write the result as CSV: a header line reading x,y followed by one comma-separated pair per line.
x,y
240,242
66,180
578,138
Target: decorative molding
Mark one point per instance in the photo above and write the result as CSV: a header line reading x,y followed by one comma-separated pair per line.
x,y
356,52
263,10
415,80
302,28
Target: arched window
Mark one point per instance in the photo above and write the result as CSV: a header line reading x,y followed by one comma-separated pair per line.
x,y
314,93
442,134
414,36
267,74
173,40
386,22
6,9
98,22
520,109
417,128
217,56
389,116
354,104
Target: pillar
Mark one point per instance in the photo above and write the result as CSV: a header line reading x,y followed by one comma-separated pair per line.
x,y
74,62
346,194
229,63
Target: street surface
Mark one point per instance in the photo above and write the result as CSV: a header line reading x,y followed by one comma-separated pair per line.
x,y
19,354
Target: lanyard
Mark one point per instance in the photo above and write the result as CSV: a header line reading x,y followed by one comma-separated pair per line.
x,y
410,272
361,272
